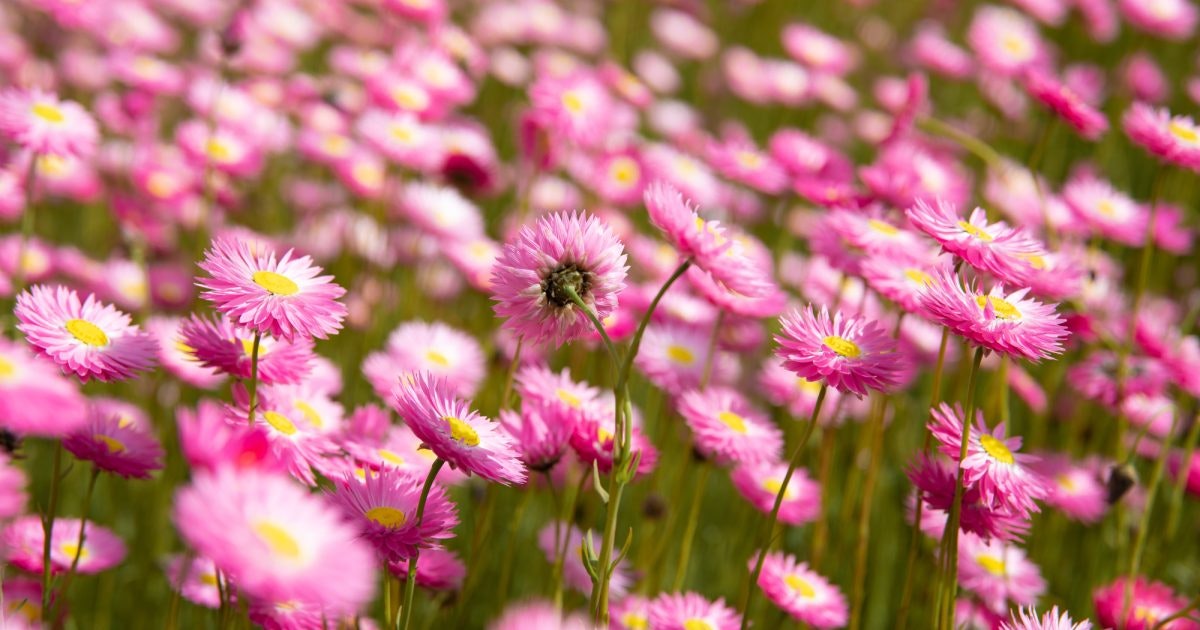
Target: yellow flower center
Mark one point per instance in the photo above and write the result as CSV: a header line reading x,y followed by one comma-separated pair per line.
x,y
7,368
280,422
113,445
336,144
462,432
1065,482
248,348
1016,46
368,175
733,421
87,332
635,621
71,549
801,586
1106,207
1184,132
996,449
1002,308
1035,261
208,579
773,486
882,227
48,112
571,400
1147,616
437,358
680,354
218,150
309,414
275,283
390,457
991,564
843,346
918,276
409,98
624,170
389,517
278,540
51,165
162,185
749,159
572,102
975,231
697,624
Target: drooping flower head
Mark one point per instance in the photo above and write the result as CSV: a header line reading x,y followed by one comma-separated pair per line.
x,y
536,273
454,432
89,338
726,427
219,344
851,354
284,297
801,592
1065,103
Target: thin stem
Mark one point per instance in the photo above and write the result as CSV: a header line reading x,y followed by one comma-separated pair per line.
x,y
505,398
689,531
389,609
1189,451
978,147
712,349
560,553
1179,614
87,509
787,478
48,529
596,323
254,376
510,549
623,375
864,515
950,535
410,579
1139,545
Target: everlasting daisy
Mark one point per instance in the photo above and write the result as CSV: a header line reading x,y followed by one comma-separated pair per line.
x,y
284,297
219,344
35,397
438,569
1169,19
454,432
1003,476
195,579
900,278
1027,619
1010,323
384,505
442,212
593,440
691,611
1148,603
178,358
851,354
1004,40
1066,104
212,437
435,347
937,481
538,615
292,436
42,124
998,572
1173,139
631,612
726,427
23,541
555,396
89,338
760,482
801,592
674,357
536,274
1106,210
116,446
12,489
540,441
276,541
992,247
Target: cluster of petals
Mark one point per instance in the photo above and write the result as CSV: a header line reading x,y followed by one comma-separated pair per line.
x,y
850,354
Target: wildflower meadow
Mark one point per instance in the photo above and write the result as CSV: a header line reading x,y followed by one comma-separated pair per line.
x,y
599,314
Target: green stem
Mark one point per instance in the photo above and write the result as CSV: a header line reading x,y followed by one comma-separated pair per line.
x,y
560,552
597,324
976,146
689,531
254,376
510,549
48,528
1181,478
87,509
1139,545
950,535
710,359
1179,614
774,517
389,609
410,579
641,329
505,398
825,465
864,516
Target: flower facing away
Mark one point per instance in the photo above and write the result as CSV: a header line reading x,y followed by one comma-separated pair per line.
x,y
801,592
454,432
89,338
562,254
217,343
284,297
851,354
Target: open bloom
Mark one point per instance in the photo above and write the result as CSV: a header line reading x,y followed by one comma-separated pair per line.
x,y
691,611
760,482
992,247
998,572
23,541
276,541
801,592
384,505
89,338
726,427
284,297
1173,139
1010,323
41,123
454,432
851,354
436,347
1027,619
562,254
219,344
35,397
115,445
1149,603
937,480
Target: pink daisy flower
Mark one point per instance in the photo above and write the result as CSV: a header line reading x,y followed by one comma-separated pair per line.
x,y
217,343
35,397
1174,139
592,439
1003,476
726,427
90,339
801,592
560,252
691,611
555,395
24,538
177,357
39,122
195,579
1027,619
673,357
454,432
284,297
276,541
1005,40
1106,210
435,347
211,437
900,278
384,505
1169,19
937,480
1065,103
1075,489
1149,603
992,247
538,615
12,489
116,446
998,572
851,354
438,569
1010,323
292,437
760,482
631,612
540,441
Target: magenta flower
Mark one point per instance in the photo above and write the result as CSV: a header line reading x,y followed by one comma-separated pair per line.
x,y
90,339
23,540
35,397
284,297
219,344
851,354
116,446
801,592
1173,139
727,428
937,480
438,569
1065,103
992,247
686,611
1027,619
384,506
44,125
534,275
1075,489
575,574
1149,603
760,482
998,572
